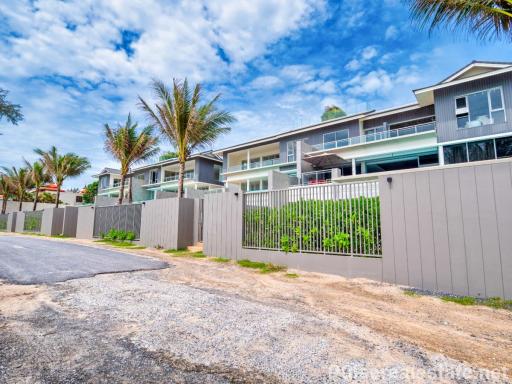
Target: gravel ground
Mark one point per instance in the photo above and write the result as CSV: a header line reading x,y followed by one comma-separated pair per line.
x,y
140,327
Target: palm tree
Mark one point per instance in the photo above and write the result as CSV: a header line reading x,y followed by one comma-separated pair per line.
x,y
6,190
129,148
39,177
186,123
485,18
61,167
20,181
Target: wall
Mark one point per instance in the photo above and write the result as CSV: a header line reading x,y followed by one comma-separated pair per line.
x,y
85,222
12,206
278,180
204,172
70,221
448,229
400,116
20,222
11,222
445,108
52,221
167,223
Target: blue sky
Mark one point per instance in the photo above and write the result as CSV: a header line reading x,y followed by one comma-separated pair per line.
x,y
75,65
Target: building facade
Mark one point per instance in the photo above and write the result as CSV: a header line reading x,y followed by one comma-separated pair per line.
x,y
202,172
465,117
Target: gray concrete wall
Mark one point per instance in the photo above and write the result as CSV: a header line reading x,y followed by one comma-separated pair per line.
x,y
12,206
278,180
448,229
70,221
167,223
85,222
11,222
20,222
447,129
52,221
104,201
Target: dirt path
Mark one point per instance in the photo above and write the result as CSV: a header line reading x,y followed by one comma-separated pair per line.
x,y
329,321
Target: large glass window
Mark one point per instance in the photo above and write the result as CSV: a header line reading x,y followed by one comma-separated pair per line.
x,y
336,139
480,108
270,159
455,154
481,150
291,149
504,147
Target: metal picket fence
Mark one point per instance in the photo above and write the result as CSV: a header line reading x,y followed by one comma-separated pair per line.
x,y
339,219
33,221
120,217
3,222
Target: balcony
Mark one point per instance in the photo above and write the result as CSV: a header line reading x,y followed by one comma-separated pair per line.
x,y
186,176
117,184
316,177
255,165
378,136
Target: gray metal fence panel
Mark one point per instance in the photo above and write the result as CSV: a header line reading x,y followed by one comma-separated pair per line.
x,y
339,219
33,221
3,222
120,217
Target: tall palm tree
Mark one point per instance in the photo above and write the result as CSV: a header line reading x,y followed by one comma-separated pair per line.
x,y
129,147
61,167
186,123
485,18
6,190
39,177
20,181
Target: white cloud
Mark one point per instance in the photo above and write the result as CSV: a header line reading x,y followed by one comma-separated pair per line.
x,y
266,82
369,53
391,33
353,65
364,57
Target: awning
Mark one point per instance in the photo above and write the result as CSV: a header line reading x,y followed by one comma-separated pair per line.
x,y
326,160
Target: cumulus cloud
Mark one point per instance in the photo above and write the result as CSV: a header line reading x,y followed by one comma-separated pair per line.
x,y
391,33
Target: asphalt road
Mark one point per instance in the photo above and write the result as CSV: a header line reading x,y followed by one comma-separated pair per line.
x,y
27,260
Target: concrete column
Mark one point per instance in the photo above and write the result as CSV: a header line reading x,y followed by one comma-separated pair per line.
x,y
441,155
354,169
248,158
335,173
363,167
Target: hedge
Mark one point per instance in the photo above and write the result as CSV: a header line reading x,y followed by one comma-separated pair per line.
x,y
316,226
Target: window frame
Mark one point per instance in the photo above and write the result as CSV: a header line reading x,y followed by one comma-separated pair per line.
x,y
335,139
489,105
291,156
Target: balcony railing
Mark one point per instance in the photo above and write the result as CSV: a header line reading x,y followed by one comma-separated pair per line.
x,y
117,184
316,177
186,176
254,165
378,136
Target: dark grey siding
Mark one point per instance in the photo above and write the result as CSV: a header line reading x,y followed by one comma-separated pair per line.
x,y
400,116
445,109
204,171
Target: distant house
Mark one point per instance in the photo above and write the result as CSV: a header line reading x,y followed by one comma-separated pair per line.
x,y
202,172
67,197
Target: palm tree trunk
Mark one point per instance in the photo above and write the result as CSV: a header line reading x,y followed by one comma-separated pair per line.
x,y
58,196
20,205
181,175
4,204
35,199
121,190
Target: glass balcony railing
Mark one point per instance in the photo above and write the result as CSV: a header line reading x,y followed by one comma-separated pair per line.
x,y
186,176
316,177
254,165
372,137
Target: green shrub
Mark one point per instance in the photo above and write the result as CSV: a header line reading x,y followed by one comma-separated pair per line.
x,y
121,235
316,225
220,260
130,236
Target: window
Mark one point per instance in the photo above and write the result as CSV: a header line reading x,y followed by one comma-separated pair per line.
x,y
255,162
291,149
140,176
504,147
254,185
217,171
117,183
336,139
454,154
104,182
480,108
264,184
270,160
243,164
153,177
481,150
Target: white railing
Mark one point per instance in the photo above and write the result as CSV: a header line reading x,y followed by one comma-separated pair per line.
x,y
378,136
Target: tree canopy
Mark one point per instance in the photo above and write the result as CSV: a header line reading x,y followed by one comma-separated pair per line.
x,y
332,112
12,112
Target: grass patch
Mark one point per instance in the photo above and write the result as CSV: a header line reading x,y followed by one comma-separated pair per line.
x,y
498,302
138,247
263,267
292,275
177,252
462,300
119,244
410,292
185,253
220,260
60,236
198,255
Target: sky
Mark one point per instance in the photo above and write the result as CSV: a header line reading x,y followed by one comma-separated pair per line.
x,y
76,65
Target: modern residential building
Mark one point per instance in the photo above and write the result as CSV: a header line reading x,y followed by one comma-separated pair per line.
x,y
202,172
465,117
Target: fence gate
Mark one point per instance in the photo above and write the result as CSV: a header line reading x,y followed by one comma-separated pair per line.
x,y
33,221
3,222
339,219
200,220
120,217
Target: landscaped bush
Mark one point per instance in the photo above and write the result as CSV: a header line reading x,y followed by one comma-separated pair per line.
x,y
331,226
118,235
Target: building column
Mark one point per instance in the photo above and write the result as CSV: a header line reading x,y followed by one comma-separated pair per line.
x,y
248,159
354,169
363,167
441,155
